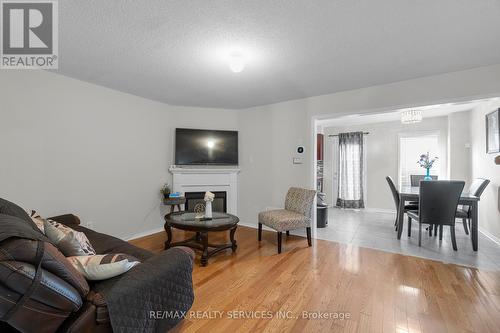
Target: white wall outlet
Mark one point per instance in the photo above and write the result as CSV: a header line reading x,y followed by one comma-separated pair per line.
x,y
297,160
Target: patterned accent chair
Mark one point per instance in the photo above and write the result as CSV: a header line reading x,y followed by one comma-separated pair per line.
x,y
297,214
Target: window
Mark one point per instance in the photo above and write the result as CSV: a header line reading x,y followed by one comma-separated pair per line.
x,y
410,149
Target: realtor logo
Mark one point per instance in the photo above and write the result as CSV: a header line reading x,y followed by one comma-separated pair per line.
x,y
29,34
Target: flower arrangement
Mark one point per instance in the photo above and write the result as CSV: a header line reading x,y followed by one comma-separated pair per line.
x,y
426,162
209,196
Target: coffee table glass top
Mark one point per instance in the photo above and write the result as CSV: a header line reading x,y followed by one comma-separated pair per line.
x,y
189,219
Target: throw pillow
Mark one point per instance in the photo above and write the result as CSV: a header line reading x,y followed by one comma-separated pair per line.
x,y
70,242
37,219
103,266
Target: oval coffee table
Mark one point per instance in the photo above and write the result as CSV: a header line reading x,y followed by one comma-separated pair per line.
x,y
187,221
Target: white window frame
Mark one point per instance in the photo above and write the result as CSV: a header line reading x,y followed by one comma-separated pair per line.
x,y
443,155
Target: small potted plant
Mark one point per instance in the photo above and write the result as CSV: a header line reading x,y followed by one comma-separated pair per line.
x,y
427,163
165,190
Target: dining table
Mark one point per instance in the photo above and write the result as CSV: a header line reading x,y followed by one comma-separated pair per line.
x,y
412,193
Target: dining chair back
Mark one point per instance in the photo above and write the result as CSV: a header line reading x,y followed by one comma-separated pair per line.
x,y
394,191
465,212
438,201
415,179
478,186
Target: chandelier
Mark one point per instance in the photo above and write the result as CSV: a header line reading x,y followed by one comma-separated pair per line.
x,y
411,116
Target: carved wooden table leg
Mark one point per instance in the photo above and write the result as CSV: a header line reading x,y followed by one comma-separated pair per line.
x,y
233,241
168,229
204,241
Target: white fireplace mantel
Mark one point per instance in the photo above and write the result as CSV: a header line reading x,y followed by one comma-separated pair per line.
x,y
191,179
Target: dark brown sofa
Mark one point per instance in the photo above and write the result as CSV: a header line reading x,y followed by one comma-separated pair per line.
x,y
64,300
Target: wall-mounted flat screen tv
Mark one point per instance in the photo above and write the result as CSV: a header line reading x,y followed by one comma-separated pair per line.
x,y
205,147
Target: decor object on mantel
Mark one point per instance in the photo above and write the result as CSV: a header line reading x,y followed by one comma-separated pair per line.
x,y
493,132
411,116
427,163
209,198
497,160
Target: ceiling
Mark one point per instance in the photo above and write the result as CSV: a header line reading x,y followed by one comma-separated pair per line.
x,y
175,51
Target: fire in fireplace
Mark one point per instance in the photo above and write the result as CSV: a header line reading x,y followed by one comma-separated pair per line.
x,y
218,205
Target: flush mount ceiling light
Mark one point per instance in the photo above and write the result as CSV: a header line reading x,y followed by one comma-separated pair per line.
x,y
411,116
236,62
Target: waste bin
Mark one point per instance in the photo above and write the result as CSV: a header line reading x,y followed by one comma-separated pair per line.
x,y
321,216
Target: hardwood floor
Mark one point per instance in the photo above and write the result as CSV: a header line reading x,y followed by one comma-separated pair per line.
x,y
380,291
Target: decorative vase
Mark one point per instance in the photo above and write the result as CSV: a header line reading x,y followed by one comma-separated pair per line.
x,y
428,174
208,209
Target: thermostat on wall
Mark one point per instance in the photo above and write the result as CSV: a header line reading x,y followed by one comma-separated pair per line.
x,y
300,149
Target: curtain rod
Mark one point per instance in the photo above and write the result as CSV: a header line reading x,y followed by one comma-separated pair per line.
x,y
365,133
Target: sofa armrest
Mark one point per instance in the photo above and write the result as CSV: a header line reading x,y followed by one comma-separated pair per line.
x,y
160,283
67,219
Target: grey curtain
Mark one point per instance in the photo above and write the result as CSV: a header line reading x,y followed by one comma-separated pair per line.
x,y
351,173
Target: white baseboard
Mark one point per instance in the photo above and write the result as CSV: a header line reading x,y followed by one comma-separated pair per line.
x,y
486,233
380,210
254,226
144,233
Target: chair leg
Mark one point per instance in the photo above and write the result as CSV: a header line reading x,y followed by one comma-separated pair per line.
x,y
440,232
420,234
435,230
453,239
288,233
260,232
430,230
409,226
466,229
279,241
396,224
308,231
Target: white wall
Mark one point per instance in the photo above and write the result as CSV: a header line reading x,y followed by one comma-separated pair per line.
x,y
382,151
69,146
459,152
269,139
483,166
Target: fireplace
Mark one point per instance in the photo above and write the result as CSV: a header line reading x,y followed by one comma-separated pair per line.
x,y
189,180
218,205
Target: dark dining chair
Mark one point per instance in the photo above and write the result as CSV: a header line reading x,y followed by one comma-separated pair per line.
x,y
438,205
415,179
415,182
465,212
395,196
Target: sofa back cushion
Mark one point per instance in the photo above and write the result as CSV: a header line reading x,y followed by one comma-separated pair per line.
x,y
10,208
